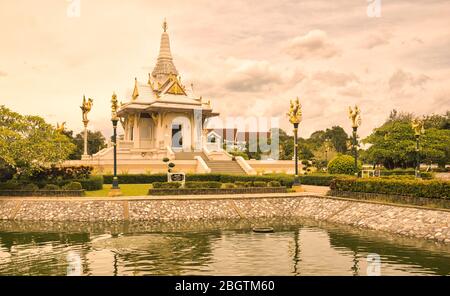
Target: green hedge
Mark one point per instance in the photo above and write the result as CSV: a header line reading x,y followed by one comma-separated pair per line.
x,y
165,185
406,187
91,184
136,178
239,180
405,172
198,184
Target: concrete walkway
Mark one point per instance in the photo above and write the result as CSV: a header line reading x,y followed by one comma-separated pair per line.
x,y
320,190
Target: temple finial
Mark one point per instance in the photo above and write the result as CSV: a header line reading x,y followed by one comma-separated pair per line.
x,y
165,25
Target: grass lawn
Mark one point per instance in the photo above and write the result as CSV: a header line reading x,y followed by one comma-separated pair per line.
x,y
127,190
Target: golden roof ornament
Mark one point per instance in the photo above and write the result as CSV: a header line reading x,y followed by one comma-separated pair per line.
x,y
295,112
60,128
355,116
86,108
418,126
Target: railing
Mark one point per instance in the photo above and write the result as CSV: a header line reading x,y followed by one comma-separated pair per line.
x,y
202,167
245,166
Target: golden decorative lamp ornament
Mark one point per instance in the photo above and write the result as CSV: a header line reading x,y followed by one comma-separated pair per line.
x,y
295,117
419,129
115,189
85,107
355,116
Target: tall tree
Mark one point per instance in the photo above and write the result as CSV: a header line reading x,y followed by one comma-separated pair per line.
x,y
96,142
338,138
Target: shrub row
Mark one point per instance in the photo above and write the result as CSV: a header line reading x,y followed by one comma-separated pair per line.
x,y
405,172
283,179
93,183
406,187
54,173
198,191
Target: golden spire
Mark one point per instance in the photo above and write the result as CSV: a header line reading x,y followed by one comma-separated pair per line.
x,y
135,91
165,25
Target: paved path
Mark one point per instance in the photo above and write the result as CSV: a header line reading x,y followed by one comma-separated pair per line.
x,y
321,190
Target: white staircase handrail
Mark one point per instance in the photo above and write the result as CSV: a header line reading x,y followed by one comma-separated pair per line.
x,y
202,166
170,152
245,166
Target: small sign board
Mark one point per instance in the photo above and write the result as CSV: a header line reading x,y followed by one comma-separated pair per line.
x,y
176,177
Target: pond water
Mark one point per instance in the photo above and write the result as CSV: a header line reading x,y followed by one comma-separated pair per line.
x,y
213,248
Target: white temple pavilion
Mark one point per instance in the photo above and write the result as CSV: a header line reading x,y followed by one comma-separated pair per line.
x,y
162,114
164,118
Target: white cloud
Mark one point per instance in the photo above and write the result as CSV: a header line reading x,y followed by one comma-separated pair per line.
x,y
400,79
315,44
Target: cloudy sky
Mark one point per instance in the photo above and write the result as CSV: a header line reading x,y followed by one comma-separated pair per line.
x,y
249,57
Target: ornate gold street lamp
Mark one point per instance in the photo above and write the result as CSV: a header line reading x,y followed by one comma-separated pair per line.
x,y
295,117
85,109
419,129
355,117
115,190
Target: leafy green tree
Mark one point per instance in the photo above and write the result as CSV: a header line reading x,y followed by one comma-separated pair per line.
x,y
393,144
28,142
338,138
96,142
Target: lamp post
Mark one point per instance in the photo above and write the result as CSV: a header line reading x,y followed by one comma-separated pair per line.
x,y
295,117
85,109
115,190
327,148
419,130
355,117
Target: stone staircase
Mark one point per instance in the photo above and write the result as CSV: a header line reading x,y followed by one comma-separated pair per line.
x,y
189,155
216,166
224,167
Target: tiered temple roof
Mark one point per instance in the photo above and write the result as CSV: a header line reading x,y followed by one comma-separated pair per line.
x,y
163,89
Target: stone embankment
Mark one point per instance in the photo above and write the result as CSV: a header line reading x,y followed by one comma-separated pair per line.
x,y
404,220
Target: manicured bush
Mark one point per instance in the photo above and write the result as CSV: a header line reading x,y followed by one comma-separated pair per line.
x,y
343,164
405,172
415,188
91,184
10,185
249,184
259,184
136,178
197,184
51,187
166,185
317,179
274,184
73,186
240,184
54,173
30,187
228,185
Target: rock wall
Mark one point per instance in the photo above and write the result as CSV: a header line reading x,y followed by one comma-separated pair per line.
x,y
403,220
